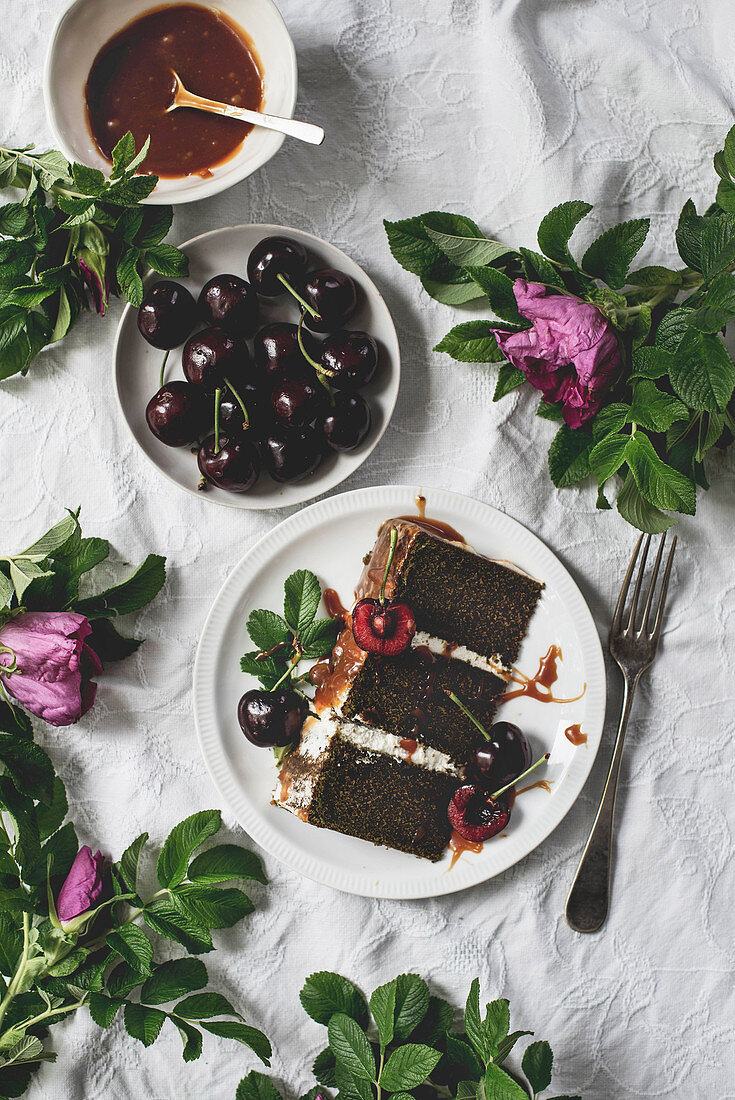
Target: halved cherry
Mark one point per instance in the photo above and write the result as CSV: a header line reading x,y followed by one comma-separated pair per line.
x,y
381,626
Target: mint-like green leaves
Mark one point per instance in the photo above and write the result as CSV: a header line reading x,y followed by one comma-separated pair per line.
x,y
556,230
610,256
324,994
181,842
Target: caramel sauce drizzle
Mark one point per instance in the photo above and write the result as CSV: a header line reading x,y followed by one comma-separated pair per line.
x,y
458,845
539,686
333,604
575,735
409,746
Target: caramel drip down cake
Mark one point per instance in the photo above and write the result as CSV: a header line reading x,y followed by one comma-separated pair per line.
x,y
388,750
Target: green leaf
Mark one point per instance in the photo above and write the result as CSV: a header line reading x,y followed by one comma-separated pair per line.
x,y
129,191
181,842
654,276
29,766
549,410
556,230
301,599
702,372
607,456
23,573
133,946
128,277
109,644
672,329
256,1086
610,256
90,181
143,1023
62,846
499,1086
166,920
167,260
538,269
319,637
225,862
14,720
408,1067
383,1009
123,153
650,363
634,508
324,1069
537,1064
269,670
412,1003
653,409
103,1009
689,236
76,558
509,379
267,629
202,1006
123,980
660,484
351,1047
137,591
452,294
324,994
55,538
506,1046
467,251
472,342
211,906
173,979
718,244
6,590
729,151
715,425
463,1058
497,1022
11,944
473,1023
569,456
414,250
192,1038
726,196
249,1036
155,225
498,289
718,306
16,220
64,319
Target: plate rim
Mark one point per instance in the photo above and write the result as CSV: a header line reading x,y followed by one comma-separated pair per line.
x,y
232,500
318,870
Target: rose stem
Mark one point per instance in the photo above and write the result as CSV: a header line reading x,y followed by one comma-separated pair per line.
x,y
541,760
297,296
241,403
391,552
217,397
469,714
163,369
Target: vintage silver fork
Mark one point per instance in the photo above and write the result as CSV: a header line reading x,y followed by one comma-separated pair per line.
x,y
633,643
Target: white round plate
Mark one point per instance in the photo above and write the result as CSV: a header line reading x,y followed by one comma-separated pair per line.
x,y
84,28
137,365
330,538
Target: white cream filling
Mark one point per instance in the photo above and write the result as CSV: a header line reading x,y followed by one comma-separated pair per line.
x,y
440,647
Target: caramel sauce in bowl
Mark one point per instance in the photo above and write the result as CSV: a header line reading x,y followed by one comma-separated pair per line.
x,y
88,26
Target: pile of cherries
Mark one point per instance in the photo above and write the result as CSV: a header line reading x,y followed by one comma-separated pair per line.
x,y
285,405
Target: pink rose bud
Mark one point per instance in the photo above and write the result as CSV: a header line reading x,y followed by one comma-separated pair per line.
x,y
54,665
82,887
571,353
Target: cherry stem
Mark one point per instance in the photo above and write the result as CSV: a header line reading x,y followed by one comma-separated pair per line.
x,y
163,369
241,403
518,778
282,279
321,373
469,714
294,661
217,399
391,552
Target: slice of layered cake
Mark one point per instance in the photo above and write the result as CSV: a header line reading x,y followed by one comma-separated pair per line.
x,y
388,753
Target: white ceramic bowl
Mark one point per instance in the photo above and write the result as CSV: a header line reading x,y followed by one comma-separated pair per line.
x,y
88,24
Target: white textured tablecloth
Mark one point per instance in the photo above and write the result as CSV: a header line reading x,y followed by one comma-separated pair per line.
x,y
498,110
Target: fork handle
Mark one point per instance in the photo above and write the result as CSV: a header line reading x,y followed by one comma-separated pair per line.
x,y
589,897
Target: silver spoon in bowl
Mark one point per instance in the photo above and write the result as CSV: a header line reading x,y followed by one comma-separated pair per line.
x,y
305,131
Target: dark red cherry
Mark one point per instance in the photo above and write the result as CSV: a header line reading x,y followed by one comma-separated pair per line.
x,y
347,423
291,454
351,358
175,413
501,759
167,315
234,466
475,815
299,399
332,295
276,348
231,417
384,628
209,356
271,719
274,256
229,302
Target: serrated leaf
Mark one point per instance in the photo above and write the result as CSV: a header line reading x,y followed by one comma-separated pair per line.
x,y
718,306
103,1009
324,994
202,1006
412,1003
143,1023
383,1009
499,1086
702,372
463,1058
29,766
718,244
181,843
324,1069
473,1023
472,342
129,860
662,485
319,637
672,329
537,1064
538,269
128,277
498,289
506,1046
132,594
212,906
497,1022
267,629
509,379
166,920
191,1037
468,251
549,410
689,236
610,256
225,862
653,409
242,1033
556,230
90,181
452,294
123,153
155,225
726,196
414,250
55,538
569,456
256,1086
109,644
173,979
269,670
351,1047
122,981
650,363
654,276
408,1067
302,594
133,946
607,456
167,260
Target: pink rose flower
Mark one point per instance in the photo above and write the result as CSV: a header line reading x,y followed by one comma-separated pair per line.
x,y
571,353
82,887
54,664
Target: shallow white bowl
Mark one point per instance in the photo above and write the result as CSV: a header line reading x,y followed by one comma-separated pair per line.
x,y
137,365
88,24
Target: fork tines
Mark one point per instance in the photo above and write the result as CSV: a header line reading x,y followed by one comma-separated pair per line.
x,y
644,630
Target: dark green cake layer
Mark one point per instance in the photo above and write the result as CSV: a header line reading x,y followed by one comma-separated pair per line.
x,y
383,800
406,696
467,599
